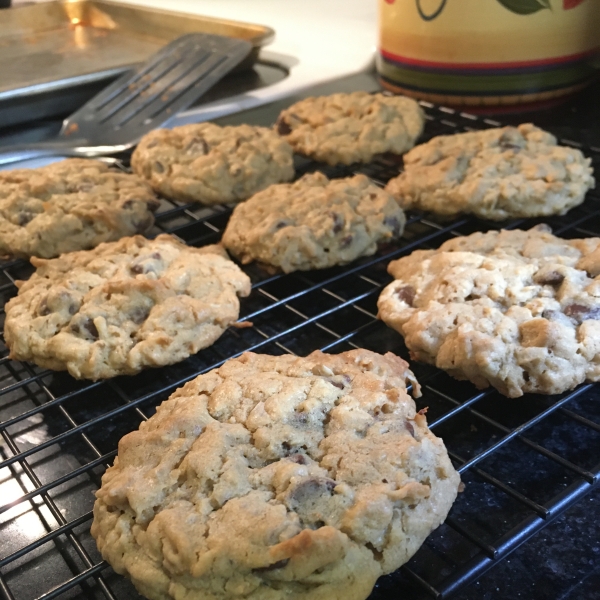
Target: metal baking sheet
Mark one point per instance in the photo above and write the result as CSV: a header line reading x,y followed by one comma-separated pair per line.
x,y
57,54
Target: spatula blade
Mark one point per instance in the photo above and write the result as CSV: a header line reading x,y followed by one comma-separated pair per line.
x,y
145,98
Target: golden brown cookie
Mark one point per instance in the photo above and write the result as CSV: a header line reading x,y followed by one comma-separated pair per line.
x,y
517,310
210,164
313,223
123,306
494,174
351,128
276,477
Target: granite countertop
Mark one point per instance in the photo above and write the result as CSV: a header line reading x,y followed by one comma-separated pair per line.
x,y
562,562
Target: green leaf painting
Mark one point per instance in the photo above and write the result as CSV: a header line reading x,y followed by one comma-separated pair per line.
x,y
525,7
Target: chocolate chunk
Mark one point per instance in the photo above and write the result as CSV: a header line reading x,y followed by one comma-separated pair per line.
x,y
508,142
89,326
277,565
509,146
197,146
283,128
144,264
299,419
299,459
159,167
551,278
394,224
310,490
67,299
338,222
85,326
409,428
56,304
581,313
280,225
406,294
139,314
346,241
24,217
313,500
340,381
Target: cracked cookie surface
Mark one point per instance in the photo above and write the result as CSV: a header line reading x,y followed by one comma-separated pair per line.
x,y
517,310
210,164
276,477
351,128
313,223
494,174
74,204
123,306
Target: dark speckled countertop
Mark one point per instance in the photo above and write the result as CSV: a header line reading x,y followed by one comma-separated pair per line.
x,y
561,563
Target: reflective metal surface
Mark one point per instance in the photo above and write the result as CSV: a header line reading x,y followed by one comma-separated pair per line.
x,y
53,52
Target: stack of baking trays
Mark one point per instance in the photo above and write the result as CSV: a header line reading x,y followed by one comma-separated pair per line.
x,y
522,460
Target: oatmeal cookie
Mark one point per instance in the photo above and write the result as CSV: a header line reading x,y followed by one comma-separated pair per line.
x,y
71,205
494,174
210,164
123,306
517,310
313,223
276,477
351,128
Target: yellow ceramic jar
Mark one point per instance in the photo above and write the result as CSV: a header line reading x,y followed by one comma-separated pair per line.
x,y
488,52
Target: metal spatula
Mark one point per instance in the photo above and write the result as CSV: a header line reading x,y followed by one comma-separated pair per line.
x,y
141,100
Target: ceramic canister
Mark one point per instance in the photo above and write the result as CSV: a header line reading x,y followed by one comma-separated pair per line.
x,y
488,52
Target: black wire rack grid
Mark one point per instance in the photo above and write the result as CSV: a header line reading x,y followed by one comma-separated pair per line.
x,y
522,461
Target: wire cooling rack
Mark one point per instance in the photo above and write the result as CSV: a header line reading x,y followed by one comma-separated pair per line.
x,y
523,461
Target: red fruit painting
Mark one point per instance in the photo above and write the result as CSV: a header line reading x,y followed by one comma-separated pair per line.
x,y
567,4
